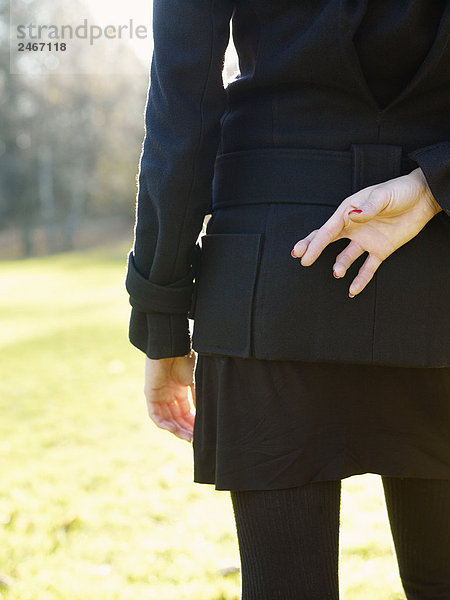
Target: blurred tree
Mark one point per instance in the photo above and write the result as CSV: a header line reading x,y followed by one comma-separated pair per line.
x,y
69,143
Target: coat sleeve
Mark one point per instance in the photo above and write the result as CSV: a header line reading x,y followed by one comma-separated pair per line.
x,y
185,102
434,161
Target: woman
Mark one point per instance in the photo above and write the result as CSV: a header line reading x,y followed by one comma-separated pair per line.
x,y
327,155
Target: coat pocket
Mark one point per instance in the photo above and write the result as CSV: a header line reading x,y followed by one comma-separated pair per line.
x,y
224,293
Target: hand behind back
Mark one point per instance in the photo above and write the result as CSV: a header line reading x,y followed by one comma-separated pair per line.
x,y
391,214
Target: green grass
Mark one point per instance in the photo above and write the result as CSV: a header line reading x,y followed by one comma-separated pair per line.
x,y
96,502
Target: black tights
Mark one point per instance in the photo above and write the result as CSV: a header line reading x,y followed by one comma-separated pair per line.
x,y
289,539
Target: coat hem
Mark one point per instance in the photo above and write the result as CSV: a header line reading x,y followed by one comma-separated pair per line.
x,y
216,351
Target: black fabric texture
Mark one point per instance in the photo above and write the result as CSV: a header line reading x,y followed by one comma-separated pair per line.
x,y
265,424
284,310
289,542
435,164
322,75
382,32
288,539
419,514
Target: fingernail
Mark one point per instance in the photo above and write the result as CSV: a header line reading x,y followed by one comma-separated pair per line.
x,y
356,210
292,254
351,295
334,274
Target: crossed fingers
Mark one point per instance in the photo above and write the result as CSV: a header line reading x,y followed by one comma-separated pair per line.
x,y
340,225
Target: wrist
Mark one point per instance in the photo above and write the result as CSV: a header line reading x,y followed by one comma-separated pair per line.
x,y
426,191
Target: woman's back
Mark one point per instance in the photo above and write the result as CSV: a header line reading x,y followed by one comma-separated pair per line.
x,y
298,385
329,73
301,90
318,77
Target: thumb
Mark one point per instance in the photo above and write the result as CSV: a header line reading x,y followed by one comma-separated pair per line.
x,y
376,201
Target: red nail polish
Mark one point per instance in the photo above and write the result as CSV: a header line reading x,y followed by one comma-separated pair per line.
x,y
356,210
292,254
334,275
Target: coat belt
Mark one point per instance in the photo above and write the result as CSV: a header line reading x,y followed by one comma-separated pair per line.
x,y
303,175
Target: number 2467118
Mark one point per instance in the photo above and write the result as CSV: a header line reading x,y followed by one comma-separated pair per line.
x,y
41,46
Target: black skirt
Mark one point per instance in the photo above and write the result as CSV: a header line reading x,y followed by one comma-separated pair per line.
x,y
267,424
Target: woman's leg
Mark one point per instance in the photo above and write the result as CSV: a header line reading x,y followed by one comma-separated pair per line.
x,y
289,542
419,514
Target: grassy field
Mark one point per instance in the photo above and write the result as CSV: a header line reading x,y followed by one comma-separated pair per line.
x,y
98,503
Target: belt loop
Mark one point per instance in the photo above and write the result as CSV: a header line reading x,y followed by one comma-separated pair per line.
x,y
374,163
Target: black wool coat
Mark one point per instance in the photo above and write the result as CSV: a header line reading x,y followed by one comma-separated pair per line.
x,y
270,157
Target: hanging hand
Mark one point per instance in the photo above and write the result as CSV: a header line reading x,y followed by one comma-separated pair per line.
x,y
377,219
167,384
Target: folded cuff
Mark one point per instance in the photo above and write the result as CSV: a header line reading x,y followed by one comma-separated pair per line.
x,y
434,161
160,335
151,297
